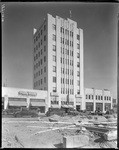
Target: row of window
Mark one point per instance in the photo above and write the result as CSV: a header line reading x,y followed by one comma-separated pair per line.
x,y
66,31
98,97
41,40
39,34
40,72
67,71
67,91
38,55
66,81
39,63
66,61
66,51
63,71
38,46
40,82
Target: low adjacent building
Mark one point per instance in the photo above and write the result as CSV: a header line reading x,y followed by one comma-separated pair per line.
x,y
96,99
17,97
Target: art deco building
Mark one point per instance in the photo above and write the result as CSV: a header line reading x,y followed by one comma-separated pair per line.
x,y
58,61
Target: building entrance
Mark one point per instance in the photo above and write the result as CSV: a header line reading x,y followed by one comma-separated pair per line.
x,y
99,106
78,107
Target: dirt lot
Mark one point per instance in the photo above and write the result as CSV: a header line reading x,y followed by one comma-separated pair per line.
x,y
40,133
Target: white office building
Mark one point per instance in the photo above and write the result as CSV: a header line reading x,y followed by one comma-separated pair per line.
x,y
58,62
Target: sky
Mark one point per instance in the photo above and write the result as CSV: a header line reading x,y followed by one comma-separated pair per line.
x,y
99,24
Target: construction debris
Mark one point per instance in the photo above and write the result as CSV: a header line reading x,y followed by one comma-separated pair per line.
x,y
60,131
111,135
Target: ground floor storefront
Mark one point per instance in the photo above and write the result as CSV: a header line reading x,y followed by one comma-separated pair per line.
x,y
15,98
91,106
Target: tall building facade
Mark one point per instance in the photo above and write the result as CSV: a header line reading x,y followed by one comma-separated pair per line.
x,y
58,62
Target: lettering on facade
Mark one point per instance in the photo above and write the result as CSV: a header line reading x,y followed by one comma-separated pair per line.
x,y
23,93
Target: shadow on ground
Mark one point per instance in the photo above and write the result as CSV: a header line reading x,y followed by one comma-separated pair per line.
x,y
59,145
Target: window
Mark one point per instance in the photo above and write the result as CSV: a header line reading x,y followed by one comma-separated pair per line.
x,y
41,51
72,53
54,58
36,47
63,70
39,54
72,34
63,80
44,79
54,27
72,44
44,58
61,59
41,81
78,64
78,55
45,38
78,91
92,96
89,96
36,38
101,98
44,48
54,68
61,39
41,71
77,46
107,97
54,89
34,50
98,97
77,36
41,32
41,42
38,35
54,79
54,48
45,69
54,37
78,73
44,27
41,61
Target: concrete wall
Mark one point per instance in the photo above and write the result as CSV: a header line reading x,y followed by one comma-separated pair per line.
x,y
76,141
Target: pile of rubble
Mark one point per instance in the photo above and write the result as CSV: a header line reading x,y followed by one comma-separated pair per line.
x,y
91,131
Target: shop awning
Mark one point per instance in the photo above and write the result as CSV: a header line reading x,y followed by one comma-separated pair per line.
x,y
38,104
16,103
